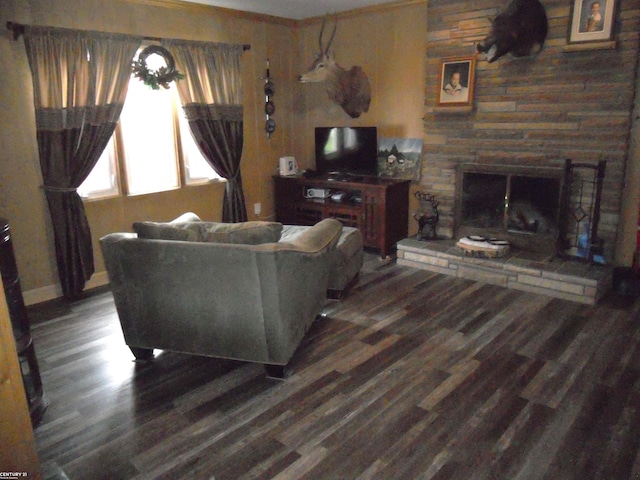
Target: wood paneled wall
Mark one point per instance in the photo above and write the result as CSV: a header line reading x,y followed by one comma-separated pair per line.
x,y
536,110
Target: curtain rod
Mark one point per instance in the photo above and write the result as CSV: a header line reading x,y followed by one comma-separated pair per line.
x,y
18,30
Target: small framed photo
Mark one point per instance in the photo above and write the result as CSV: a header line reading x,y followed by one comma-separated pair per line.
x,y
591,20
456,81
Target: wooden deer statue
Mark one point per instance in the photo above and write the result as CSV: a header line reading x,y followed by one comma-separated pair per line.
x,y
427,217
349,89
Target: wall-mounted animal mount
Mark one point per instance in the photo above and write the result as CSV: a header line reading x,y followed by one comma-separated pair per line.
x,y
349,89
520,30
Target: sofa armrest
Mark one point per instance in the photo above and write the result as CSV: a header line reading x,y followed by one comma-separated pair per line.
x,y
322,235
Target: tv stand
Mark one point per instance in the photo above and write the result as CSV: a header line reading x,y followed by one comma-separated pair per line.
x,y
378,207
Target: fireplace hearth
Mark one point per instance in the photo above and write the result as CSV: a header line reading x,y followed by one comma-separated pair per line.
x,y
582,282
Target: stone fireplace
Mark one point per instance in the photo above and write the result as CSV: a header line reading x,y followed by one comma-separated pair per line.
x,y
531,112
527,113
537,209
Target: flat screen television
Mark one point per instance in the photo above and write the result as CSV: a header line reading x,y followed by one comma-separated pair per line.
x,y
346,150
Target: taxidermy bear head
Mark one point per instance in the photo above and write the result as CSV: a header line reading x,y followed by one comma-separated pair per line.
x,y
519,30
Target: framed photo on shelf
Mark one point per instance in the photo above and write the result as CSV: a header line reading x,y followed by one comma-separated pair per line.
x,y
591,20
456,81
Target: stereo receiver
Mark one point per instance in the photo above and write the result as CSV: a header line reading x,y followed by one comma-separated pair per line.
x,y
316,193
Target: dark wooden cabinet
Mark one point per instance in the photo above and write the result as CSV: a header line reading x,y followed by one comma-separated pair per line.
x,y
378,207
20,326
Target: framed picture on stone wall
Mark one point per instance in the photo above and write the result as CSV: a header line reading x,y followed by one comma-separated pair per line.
x,y
456,82
591,20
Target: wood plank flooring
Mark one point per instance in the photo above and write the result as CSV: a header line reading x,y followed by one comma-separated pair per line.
x,y
413,375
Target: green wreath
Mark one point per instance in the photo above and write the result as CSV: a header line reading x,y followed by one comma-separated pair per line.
x,y
156,78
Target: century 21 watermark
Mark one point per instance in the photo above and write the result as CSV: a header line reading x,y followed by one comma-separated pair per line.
x,y
12,475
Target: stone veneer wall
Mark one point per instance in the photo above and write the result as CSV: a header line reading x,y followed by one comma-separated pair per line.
x,y
540,110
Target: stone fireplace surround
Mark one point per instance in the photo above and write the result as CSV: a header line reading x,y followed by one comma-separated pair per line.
x,y
564,103
531,265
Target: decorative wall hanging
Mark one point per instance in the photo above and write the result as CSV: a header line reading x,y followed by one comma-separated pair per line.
x,y
400,158
591,20
348,88
456,81
269,106
520,30
161,77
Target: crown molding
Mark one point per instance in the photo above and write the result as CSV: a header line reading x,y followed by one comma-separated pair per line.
x,y
259,17
356,12
199,8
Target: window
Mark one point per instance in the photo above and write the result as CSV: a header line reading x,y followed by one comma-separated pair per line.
x,y
102,181
197,168
150,145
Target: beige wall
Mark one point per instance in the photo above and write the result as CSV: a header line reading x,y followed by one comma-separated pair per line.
x,y
389,45
630,215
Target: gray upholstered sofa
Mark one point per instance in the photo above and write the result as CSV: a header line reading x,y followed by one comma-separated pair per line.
x,y
218,290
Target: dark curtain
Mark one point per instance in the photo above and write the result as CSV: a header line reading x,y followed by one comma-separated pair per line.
x,y
79,85
211,95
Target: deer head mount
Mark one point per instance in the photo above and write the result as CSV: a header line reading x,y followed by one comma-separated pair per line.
x,y
349,89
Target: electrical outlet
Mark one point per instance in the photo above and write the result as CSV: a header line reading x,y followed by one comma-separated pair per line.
x,y
257,208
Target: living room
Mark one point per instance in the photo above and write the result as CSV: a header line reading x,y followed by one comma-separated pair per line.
x,y
562,103
584,113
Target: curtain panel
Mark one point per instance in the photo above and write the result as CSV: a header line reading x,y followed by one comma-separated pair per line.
x,y
80,83
211,95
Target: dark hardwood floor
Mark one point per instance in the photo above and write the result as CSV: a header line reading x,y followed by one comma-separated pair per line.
x,y
412,375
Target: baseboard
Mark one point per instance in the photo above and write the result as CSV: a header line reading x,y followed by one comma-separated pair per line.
x,y
51,292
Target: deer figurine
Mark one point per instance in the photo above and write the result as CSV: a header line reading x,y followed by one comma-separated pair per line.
x,y
427,217
349,89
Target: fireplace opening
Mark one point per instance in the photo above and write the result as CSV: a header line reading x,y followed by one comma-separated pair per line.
x,y
519,204
534,205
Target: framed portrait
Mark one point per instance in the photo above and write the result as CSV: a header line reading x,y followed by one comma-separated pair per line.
x,y
456,81
591,20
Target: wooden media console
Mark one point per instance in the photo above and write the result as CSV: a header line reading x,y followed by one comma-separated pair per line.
x,y
378,207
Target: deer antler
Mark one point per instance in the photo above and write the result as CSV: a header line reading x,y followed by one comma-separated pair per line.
x,y
333,34
323,50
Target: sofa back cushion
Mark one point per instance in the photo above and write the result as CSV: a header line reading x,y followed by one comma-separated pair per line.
x,y
250,233
188,227
165,231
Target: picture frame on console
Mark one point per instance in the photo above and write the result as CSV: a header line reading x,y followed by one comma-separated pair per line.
x,y
591,20
457,77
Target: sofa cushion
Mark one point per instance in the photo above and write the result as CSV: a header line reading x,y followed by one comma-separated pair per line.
x,y
177,229
186,217
188,227
311,238
165,231
250,233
